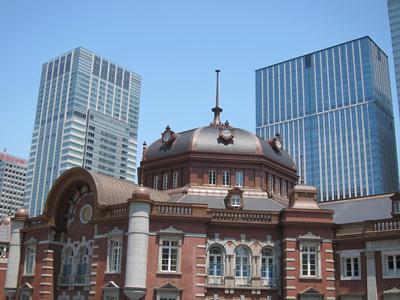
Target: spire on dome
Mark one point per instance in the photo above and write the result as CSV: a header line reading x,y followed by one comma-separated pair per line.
x,y
217,110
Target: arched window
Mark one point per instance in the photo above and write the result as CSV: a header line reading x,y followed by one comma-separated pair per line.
x,y
216,266
267,263
242,262
82,272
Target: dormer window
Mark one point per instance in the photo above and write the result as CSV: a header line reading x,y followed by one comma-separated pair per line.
x,y
236,201
396,207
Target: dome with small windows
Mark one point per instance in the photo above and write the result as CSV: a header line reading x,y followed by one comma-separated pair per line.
x,y
217,139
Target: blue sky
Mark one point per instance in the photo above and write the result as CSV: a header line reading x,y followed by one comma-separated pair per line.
x,y
175,46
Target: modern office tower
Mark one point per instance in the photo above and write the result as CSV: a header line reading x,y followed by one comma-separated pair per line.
x,y
394,20
87,115
333,109
12,183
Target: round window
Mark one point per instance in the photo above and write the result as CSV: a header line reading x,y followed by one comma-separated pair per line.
x,y
86,213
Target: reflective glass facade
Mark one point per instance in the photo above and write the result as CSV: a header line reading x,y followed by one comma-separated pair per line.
x,y
394,20
87,115
333,109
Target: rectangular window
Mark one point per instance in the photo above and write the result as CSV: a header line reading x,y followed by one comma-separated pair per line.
x,y
26,295
30,256
396,207
225,178
111,295
391,265
284,188
212,177
307,60
155,182
309,259
235,201
165,181
278,186
175,179
239,178
169,255
168,297
350,267
114,255
271,183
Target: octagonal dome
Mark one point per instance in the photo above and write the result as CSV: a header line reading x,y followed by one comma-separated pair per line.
x,y
207,139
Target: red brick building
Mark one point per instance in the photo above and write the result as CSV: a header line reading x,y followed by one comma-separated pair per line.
x,y
219,216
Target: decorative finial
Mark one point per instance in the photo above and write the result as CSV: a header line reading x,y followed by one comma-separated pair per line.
x,y
141,168
301,170
217,110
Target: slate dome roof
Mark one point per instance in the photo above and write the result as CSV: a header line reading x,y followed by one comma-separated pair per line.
x,y
206,140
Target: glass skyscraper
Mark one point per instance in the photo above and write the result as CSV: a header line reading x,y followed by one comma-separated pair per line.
x,y
86,115
333,109
394,20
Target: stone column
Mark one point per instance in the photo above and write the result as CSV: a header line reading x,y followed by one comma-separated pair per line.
x,y
138,238
371,276
14,253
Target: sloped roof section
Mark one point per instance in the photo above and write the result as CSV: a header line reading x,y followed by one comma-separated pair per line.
x,y
360,209
249,203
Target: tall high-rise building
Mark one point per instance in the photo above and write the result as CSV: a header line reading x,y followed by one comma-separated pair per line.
x,y
394,20
333,109
87,115
12,183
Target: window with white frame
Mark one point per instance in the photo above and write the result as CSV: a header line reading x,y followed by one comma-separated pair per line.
x,y
396,207
309,256
175,177
271,183
114,255
311,297
111,291
111,295
267,263
215,265
155,182
30,257
166,296
239,178
391,264
278,185
242,262
165,181
236,201
26,294
284,188
169,255
212,177
350,267
226,176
